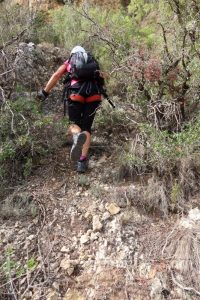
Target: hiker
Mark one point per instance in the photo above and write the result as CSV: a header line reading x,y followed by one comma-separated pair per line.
x,y
84,88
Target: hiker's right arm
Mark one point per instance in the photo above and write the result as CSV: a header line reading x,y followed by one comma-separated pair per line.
x,y
54,78
52,82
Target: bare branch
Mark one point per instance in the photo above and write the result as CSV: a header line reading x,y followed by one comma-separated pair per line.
x,y
6,72
185,288
176,9
8,107
165,43
14,39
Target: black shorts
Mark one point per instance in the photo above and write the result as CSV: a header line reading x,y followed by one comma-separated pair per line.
x,y
82,114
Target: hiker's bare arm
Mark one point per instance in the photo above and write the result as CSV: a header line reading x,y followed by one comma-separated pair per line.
x,y
54,78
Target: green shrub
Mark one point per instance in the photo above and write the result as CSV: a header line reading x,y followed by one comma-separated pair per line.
x,y
13,20
161,149
26,134
171,158
107,34
11,268
109,119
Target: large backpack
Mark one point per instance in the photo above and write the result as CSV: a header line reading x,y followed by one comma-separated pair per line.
x,y
83,66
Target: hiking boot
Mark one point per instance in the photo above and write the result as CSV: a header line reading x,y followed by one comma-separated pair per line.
x,y
78,142
82,166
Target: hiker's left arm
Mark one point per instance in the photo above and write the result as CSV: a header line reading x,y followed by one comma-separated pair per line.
x,y
43,94
54,78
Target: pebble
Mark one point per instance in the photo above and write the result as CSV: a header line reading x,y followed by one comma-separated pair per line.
x,y
52,296
65,249
73,295
55,285
94,236
106,216
96,224
101,207
84,239
66,265
113,208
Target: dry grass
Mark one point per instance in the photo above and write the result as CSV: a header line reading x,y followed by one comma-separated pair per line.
x,y
164,188
183,248
178,249
189,176
18,205
172,250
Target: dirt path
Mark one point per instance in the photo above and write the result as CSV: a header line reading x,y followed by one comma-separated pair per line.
x,y
84,240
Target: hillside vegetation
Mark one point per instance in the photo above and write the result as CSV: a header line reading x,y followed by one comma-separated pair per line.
x,y
150,58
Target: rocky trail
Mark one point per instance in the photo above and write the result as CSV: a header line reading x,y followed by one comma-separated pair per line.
x,y
72,236
77,236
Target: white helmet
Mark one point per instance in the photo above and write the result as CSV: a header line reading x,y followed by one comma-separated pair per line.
x,y
82,50
77,49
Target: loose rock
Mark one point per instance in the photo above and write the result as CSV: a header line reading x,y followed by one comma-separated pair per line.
x,y
96,224
84,239
112,208
73,295
66,265
52,296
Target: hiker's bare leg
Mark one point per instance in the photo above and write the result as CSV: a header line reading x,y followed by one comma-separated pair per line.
x,y
86,146
74,129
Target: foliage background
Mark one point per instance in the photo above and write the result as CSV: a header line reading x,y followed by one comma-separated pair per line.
x,y
148,52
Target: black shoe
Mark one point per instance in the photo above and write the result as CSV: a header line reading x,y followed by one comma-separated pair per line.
x,y
78,142
82,166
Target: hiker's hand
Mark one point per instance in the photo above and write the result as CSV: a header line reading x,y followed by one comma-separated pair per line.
x,y
42,95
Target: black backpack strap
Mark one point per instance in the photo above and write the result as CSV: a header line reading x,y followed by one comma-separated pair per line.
x,y
65,94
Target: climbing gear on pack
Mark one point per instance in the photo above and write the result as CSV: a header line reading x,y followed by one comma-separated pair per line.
x,y
78,142
82,166
65,94
104,93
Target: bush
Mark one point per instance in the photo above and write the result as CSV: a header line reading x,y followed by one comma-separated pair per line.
x,y
173,159
26,135
161,149
110,120
13,20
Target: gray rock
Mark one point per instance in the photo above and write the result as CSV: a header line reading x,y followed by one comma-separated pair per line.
x,y
96,224
156,289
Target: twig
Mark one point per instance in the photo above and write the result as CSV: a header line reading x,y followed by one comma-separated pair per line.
x,y
166,241
7,105
13,39
165,42
100,29
176,10
13,290
185,288
36,274
2,74
13,279
27,123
